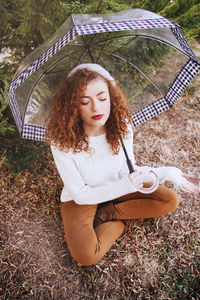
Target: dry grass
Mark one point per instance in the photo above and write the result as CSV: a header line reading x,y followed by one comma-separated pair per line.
x,y
154,259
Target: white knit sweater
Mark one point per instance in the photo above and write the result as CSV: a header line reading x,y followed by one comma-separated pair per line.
x,y
100,176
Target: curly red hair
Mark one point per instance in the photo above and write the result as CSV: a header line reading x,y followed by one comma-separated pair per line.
x,y
65,126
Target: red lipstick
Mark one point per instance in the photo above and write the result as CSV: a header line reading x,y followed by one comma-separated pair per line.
x,y
97,117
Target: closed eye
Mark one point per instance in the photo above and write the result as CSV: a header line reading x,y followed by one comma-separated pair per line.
x,y
102,99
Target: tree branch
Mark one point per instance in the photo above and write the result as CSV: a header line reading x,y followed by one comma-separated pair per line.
x,y
99,5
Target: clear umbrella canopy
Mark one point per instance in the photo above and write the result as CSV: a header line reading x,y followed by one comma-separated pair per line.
x,y
146,53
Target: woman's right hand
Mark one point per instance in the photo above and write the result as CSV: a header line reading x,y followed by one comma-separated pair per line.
x,y
187,186
136,178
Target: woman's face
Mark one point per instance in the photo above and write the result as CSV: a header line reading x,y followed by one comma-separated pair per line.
x,y
95,107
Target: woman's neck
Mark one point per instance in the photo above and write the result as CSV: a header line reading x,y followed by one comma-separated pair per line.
x,y
95,131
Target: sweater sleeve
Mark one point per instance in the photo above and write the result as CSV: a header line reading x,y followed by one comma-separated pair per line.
x,y
82,193
164,173
172,174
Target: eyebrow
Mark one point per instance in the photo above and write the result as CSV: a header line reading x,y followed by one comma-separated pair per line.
x,y
99,94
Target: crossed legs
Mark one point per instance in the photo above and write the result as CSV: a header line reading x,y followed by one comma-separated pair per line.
x,y
87,244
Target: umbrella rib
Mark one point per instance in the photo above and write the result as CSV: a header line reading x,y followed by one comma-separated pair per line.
x,y
147,37
105,41
119,47
121,58
42,75
87,45
130,63
123,46
81,55
57,62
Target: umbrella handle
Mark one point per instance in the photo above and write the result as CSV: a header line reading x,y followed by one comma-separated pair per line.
x,y
144,190
128,161
154,186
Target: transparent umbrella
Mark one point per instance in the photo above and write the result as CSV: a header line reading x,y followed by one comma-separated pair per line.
x,y
147,53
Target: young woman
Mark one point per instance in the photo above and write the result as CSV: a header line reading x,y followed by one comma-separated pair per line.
x,y
89,116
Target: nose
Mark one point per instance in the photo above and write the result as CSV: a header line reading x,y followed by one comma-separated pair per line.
x,y
95,105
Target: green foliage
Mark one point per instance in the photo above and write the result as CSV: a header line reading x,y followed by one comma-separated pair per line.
x,y
152,5
183,284
77,7
25,24
111,6
177,8
190,21
6,127
24,155
187,14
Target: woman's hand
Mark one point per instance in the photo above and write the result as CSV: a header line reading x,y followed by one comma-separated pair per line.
x,y
136,178
187,186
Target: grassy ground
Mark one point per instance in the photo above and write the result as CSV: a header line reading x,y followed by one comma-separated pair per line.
x,y
154,259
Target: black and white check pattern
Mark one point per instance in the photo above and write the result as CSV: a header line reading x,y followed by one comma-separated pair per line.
x,y
182,41
33,132
126,25
43,58
182,81
36,132
90,29
15,110
150,111
179,85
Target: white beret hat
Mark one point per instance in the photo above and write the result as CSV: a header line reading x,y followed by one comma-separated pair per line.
x,y
96,68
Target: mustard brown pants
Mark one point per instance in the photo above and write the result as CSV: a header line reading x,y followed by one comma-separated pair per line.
x,y
88,244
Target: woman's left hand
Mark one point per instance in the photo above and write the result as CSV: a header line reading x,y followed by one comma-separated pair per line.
x,y
187,186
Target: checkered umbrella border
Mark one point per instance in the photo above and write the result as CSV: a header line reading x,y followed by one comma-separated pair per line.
x,y
36,132
179,85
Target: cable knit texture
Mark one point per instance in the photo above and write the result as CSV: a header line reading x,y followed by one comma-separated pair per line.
x,y
99,175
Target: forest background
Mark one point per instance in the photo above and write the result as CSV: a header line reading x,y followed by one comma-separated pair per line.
x,y
26,24
34,261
